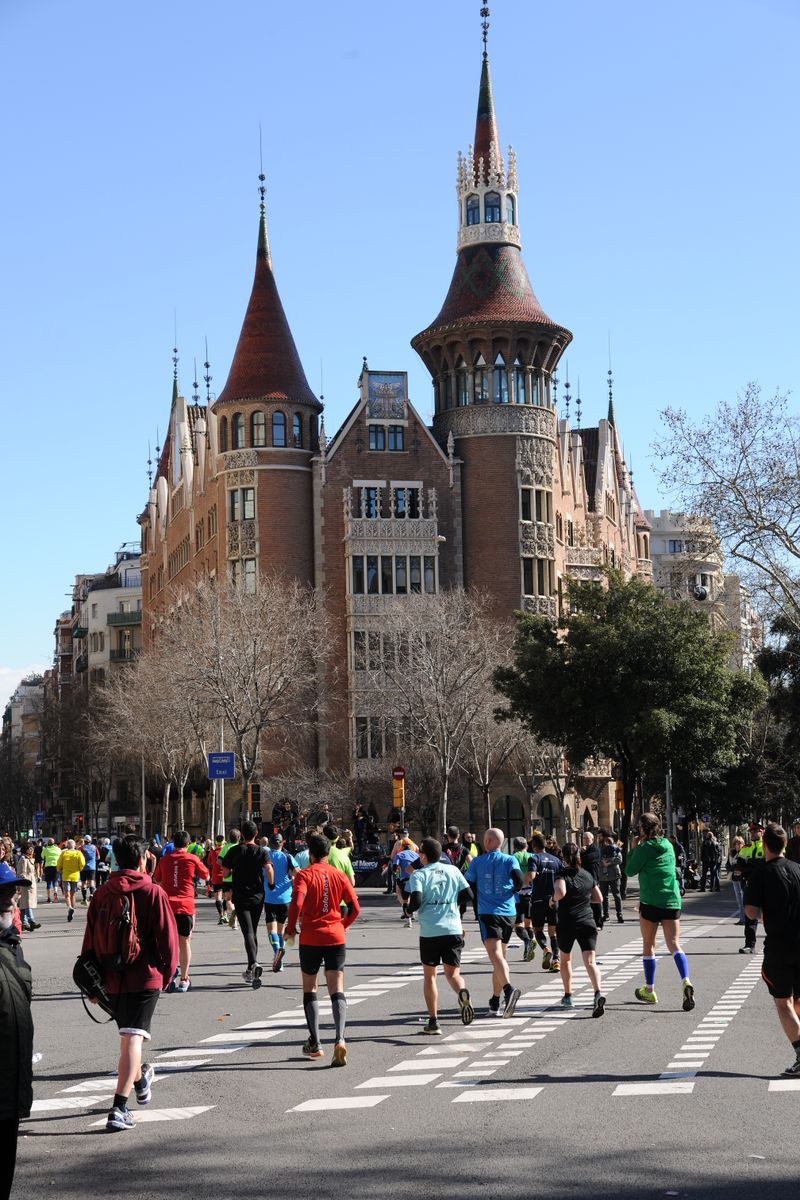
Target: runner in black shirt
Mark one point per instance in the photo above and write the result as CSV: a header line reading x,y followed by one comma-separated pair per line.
x,y
576,892
773,890
248,863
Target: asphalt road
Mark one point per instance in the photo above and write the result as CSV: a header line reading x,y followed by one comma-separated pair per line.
x,y
645,1102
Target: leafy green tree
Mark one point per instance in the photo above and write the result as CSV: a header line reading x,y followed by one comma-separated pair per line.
x,y
631,676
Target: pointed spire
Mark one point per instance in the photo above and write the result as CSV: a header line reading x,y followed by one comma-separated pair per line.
x,y
486,135
611,419
174,373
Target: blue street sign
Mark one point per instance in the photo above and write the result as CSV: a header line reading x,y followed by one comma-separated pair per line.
x,y
222,765
38,817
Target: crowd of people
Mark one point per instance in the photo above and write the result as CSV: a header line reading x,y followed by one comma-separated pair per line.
x,y
139,922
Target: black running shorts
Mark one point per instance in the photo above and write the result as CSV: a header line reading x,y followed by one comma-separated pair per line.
x,y
494,926
523,904
584,935
445,949
651,912
133,1012
780,971
312,958
542,914
185,923
276,912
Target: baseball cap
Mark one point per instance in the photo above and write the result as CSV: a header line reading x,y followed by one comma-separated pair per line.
x,y
87,837
8,877
276,839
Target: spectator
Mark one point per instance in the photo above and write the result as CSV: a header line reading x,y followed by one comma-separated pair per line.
x,y
734,869
610,873
16,1027
710,862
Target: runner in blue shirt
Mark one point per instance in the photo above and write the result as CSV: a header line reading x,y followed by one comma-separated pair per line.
x,y
405,859
89,872
277,897
495,879
545,868
438,892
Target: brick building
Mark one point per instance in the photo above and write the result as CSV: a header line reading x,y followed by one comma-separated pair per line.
x,y
501,493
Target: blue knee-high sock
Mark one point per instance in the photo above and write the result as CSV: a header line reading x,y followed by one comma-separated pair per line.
x,y
649,965
274,941
682,964
281,942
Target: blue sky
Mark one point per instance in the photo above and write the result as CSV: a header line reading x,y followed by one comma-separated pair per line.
x,y
658,203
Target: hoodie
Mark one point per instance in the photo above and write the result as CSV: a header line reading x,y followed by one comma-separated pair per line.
x,y
654,862
158,934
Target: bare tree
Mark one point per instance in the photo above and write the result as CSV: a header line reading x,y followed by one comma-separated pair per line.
x,y
250,658
436,664
489,744
740,468
537,763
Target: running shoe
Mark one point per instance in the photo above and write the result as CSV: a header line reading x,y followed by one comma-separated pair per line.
x,y
467,1011
688,996
183,985
494,1005
312,1049
747,949
793,1072
232,920
142,1086
432,1028
247,976
408,922
620,919
70,914
339,1055
599,1005
530,951
566,1001
277,962
547,958
555,966
512,995
119,1119
646,997
222,920
257,972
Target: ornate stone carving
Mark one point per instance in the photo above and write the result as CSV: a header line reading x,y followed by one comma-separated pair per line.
x,y
240,478
494,231
645,568
582,556
545,606
536,540
234,459
535,462
476,419
384,529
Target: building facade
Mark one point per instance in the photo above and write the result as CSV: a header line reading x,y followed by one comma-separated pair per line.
x,y
502,493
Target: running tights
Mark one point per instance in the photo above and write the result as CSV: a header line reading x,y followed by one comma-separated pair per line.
x,y
249,915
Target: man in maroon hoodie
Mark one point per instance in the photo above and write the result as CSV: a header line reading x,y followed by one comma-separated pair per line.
x,y
138,985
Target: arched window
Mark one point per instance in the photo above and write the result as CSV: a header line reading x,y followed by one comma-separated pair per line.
x,y
499,381
547,820
237,432
491,208
312,433
519,383
446,392
258,429
473,210
510,213
535,383
462,384
481,384
278,429
223,434
297,431
509,815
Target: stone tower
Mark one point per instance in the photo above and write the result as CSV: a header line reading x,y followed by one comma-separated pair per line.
x,y
491,352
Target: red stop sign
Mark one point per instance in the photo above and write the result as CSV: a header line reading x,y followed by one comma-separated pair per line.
x,y
398,772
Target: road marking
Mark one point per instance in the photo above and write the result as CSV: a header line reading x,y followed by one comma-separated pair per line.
x,y
257,1035
91,1085
185,1064
424,1064
334,1103
151,1115
784,1085
186,1053
662,1088
384,1081
65,1103
490,1094
477,1070
270,1024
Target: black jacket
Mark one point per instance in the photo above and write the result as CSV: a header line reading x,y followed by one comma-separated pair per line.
x,y
16,1030
590,861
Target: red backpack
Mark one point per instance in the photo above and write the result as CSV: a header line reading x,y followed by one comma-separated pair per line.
x,y
116,936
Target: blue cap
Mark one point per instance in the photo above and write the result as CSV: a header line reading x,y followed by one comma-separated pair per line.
x,y
7,876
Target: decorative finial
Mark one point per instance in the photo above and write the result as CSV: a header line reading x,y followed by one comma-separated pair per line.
x,y
364,366
149,467
207,377
485,27
196,388
158,446
262,191
567,395
555,389
578,403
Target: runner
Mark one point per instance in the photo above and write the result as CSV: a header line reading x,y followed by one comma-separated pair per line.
x,y
277,897
70,864
234,837
495,879
653,860
248,864
176,873
522,921
319,894
338,856
217,877
544,866
89,872
773,893
574,895
404,861
749,858
439,892
50,856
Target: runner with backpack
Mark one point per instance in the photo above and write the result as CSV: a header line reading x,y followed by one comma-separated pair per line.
x,y
132,936
544,867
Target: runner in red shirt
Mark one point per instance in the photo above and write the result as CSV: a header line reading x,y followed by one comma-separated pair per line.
x,y
317,897
217,870
176,873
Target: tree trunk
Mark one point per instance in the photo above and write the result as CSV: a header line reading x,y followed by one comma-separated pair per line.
x,y
165,809
443,805
487,802
181,814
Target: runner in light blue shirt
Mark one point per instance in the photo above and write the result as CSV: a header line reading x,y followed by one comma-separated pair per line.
x,y
496,878
438,892
277,897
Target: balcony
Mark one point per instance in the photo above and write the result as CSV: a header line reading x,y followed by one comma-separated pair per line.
x,y
127,655
82,662
80,631
644,568
124,618
545,606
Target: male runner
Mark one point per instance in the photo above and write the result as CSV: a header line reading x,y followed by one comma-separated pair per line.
x,y
338,857
176,873
217,877
495,879
438,892
70,864
544,868
89,872
522,921
277,897
248,864
50,856
317,898
234,837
